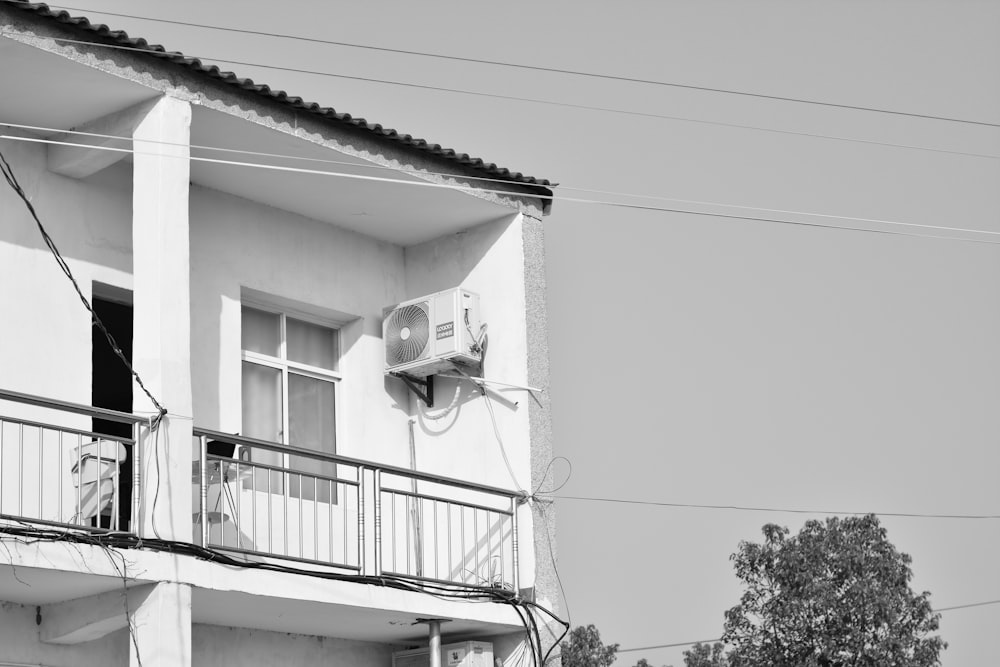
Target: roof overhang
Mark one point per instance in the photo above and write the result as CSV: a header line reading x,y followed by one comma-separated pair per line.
x,y
277,155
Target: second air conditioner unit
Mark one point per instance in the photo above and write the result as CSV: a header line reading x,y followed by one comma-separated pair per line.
x,y
465,654
429,335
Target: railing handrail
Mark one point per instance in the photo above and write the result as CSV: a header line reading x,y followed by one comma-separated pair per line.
x,y
55,404
346,460
450,501
277,468
65,429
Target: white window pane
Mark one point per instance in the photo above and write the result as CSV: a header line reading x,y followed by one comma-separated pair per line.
x,y
261,331
262,416
311,422
310,343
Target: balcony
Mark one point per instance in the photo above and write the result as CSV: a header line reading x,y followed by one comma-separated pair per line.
x,y
258,500
55,471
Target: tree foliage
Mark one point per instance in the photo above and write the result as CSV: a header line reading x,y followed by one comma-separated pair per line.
x,y
583,648
703,655
835,595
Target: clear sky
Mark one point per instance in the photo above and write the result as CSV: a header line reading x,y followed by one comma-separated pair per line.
x,y
705,360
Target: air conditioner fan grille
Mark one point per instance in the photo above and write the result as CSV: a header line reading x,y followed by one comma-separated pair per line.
x,y
407,333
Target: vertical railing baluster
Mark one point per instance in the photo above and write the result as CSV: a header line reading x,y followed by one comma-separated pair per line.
x,y
437,540
20,468
136,523
315,537
3,423
237,499
515,574
79,479
203,489
410,500
463,552
475,530
253,503
451,569
270,512
489,549
41,468
361,520
500,550
301,527
59,475
116,488
338,489
286,478
377,483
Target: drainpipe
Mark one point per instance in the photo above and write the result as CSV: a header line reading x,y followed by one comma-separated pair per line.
x,y
418,541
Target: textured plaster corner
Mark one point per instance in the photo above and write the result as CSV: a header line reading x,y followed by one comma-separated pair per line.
x,y
540,419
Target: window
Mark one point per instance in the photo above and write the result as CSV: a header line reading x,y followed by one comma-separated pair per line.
x,y
290,395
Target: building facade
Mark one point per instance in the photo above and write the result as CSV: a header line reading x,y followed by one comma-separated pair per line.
x,y
269,492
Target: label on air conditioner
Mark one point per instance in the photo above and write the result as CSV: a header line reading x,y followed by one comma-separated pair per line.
x,y
446,330
456,656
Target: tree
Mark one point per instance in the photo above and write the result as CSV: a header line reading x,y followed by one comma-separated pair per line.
x,y
584,649
835,595
703,655
643,663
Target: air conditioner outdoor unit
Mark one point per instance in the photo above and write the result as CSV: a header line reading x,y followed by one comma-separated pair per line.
x,y
428,335
465,654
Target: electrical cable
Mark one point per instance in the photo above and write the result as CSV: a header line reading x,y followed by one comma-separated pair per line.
x,y
555,567
674,645
477,178
514,98
545,475
578,200
719,639
966,606
503,450
111,540
12,181
911,515
542,68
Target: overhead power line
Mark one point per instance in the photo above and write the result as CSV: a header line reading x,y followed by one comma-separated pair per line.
x,y
532,100
674,645
579,200
543,68
968,606
743,508
719,639
417,172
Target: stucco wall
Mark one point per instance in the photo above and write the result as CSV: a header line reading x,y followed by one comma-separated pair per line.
x,y
44,329
488,260
238,245
19,644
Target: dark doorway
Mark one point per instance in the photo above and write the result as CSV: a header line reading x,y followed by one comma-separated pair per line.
x,y
111,388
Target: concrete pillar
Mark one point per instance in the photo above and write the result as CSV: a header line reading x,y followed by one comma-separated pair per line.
x,y
161,627
162,311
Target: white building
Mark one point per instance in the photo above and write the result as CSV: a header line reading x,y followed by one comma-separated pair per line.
x,y
249,300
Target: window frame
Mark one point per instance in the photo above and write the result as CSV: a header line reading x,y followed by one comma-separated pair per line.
x,y
288,367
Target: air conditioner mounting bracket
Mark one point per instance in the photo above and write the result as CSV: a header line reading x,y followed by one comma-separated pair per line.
x,y
422,387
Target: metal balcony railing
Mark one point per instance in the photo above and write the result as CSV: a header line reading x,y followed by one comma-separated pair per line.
x,y
271,500
263,499
56,470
